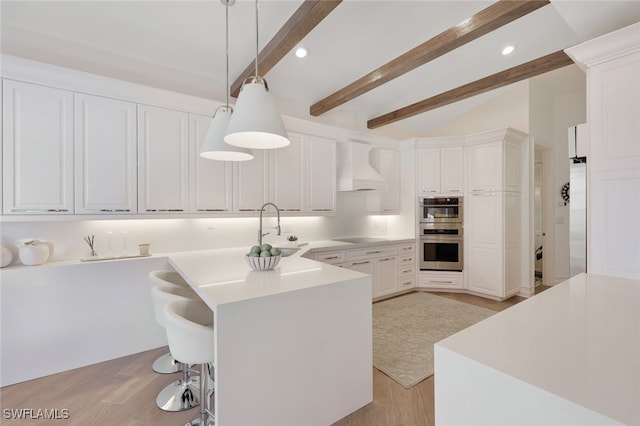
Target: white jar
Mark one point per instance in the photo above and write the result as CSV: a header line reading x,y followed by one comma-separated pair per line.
x,y
5,256
32,252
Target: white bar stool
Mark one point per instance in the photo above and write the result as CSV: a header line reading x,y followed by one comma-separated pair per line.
x,y
181,394
189,325
166,364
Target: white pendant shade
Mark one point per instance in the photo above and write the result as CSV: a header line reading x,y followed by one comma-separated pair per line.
x,y
214,146
256,122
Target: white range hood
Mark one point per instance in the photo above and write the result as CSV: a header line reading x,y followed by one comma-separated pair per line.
x,y
354,171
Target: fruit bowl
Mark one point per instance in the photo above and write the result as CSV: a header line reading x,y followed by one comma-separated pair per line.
x,y
262,263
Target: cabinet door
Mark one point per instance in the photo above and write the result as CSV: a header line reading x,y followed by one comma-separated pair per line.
x,y
211,180
484,263
452,170
321,175
287,171
37,149
389,169
105,155
485,167
251,182
163,178
364,266
384,276
428,170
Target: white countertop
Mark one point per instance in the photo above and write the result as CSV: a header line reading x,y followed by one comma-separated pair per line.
x,y
222,276
579,340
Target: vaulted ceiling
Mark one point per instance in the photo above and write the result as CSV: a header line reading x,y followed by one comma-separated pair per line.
x,y
180,46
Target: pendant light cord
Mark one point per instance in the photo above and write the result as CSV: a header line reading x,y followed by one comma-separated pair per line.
x,y
226,39
257,32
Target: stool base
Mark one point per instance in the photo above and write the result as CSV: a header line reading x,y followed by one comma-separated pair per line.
x,y
166,364
180,395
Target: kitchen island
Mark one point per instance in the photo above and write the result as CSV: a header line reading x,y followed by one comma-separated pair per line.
x,y
570,356
293,346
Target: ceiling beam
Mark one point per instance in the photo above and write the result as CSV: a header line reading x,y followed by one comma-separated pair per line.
x,y
498,14
304,19
512,75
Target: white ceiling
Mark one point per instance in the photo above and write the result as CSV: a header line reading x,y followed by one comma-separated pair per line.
x,y
179,45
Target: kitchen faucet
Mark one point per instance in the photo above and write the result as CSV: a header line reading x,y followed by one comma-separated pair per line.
x,y
260,234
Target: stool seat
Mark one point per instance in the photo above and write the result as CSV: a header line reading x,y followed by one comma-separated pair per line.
x,y
189,325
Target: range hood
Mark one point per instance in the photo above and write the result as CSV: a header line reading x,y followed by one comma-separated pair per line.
x,y
354,171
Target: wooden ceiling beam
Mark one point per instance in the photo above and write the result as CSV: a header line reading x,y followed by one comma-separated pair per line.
x,y
512,75
498,14
304,19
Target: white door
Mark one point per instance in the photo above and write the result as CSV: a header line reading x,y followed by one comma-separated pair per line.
x,y
105,155
210,180
251,182
37,149
321,175
163,166
287,170
384,276
452,170
428,170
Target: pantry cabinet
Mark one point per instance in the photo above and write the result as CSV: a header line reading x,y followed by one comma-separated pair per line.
x,y
387,163
105,155
163,150
494,166
37,149
210,181
440,170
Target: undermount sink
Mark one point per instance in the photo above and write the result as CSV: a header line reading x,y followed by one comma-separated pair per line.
x,y
357,240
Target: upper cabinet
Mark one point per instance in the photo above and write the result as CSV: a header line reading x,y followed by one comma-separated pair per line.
x,y
37,149
440,170
162,160
320,175
287,189
105,155
387,164
495,166
251,182
210,181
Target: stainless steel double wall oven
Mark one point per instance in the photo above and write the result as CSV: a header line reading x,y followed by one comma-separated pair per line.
x,y
441,233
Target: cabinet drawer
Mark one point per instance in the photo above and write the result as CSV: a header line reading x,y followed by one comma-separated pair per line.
x,y
441,281
372,252
406,270
406,259
330,257
406,282
406,248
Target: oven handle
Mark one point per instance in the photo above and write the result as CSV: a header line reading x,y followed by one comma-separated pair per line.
x,y
441,239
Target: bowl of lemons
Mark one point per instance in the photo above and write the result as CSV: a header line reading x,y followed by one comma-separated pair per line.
x,y
263,258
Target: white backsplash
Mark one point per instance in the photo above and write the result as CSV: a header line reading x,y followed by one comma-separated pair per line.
x,y
170,235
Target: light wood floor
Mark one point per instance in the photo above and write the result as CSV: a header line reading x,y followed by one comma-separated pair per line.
x,y
123,392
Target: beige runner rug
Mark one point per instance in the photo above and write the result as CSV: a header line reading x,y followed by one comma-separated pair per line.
x,y
406,327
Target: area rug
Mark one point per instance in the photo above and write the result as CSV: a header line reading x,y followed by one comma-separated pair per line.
x,y
406,327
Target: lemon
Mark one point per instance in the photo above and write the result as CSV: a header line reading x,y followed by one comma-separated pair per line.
x,y
266,247
275,251
265,253
254,254
256,249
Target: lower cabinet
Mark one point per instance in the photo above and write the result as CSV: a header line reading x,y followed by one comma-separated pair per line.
x,y
384,276
439,280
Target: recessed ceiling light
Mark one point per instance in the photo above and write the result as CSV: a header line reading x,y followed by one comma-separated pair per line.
x,y
508,49
301,52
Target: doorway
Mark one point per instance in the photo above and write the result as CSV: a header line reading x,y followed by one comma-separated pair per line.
x,y
543,229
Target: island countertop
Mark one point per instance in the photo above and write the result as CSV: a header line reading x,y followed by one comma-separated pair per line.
x,y
577,342
222,276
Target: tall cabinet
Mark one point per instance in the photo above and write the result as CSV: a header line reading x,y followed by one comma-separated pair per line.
x,y
493,214
612,64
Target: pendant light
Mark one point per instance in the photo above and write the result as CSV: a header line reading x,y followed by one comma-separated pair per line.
x,y
256,122
214,146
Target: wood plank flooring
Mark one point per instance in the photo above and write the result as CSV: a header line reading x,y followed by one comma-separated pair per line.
x,y
123,392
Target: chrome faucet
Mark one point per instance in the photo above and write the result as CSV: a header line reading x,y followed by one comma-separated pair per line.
x,y
260,234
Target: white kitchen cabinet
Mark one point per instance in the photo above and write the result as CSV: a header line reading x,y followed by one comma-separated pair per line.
x,y
320,194
441,280
406,266
384,276
163,163
387,163
211,181
37,149
332,257
287,172
251,182
105,155
494,166
440,170
364,266
493,256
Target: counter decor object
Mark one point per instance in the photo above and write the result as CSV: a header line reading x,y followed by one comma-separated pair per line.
x,y
144,249
32,252
89,239
5,256
264,257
